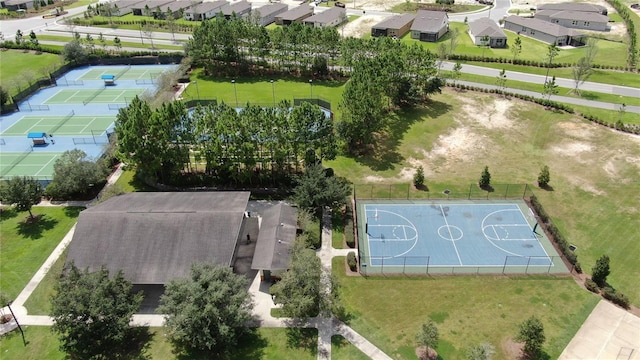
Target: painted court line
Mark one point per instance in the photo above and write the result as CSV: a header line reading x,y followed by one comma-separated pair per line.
x,y
85,128
45,165
444,216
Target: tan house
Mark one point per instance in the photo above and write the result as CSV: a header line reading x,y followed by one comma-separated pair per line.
x,y
395,26
296,14
486,29
429,25
332,17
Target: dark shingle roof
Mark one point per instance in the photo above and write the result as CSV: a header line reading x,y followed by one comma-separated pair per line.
x,y
327,16
543,26
155,237
277,234
574,6
237,8
574,15
269,9
205,7
296,12
486,27
429,21
395,22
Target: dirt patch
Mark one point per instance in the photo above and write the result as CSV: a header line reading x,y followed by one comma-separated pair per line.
x,y
493,116
572,149
512,349
361,26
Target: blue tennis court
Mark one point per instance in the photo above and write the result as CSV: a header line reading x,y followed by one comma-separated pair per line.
x,y
469,236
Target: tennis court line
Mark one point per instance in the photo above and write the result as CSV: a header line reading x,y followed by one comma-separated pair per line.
x,y
539,242
71,97
45,165
90,122
444,216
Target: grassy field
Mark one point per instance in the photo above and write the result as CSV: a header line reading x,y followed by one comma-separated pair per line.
x,y
610,53
262,344
24,247
341,349
594,170
98,44
14,64
261,91
467,310
39,303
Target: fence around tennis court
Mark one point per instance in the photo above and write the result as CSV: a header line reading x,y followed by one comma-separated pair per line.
x,y
420,265
408,192
97,137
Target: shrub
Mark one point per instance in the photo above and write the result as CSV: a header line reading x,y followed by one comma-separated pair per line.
x,y
418,177
352,261
615,297
591,286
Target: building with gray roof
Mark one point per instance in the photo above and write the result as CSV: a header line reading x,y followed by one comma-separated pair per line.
x,y
240,9
574,6
394,26
486,29
331,17
544,31
278,230
123,7
205,10
297,14
575,19
140,8
429,25
267,14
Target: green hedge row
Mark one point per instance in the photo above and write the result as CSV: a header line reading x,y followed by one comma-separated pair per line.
x,y
352,261
625,14
525,62
615,297
556,235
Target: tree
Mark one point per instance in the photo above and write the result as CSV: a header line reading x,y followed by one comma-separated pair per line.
x,y
75,174
441,52
24,192
600,271
4,96
74,52
418,177
531,333
91,313
428,336
90,42
315,190
457,72
516,48
552,52
501,80
207,312
482,351
117,43
581,72
18,38
485,42
33,39
544,177
299,291
550,88
453,40
485,178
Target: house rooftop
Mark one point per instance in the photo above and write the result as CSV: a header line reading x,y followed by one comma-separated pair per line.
x,y
326,16
395,22
543,26
296,12
574,6
277,235
486,27
429,21
574,15
269,9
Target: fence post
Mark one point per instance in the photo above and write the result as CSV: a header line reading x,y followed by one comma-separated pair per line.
x,y
404,265
526,187
408,189
526,270
506,192
428,257
505,264
470,187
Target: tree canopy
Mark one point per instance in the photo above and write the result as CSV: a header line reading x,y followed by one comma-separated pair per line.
x,y
316,189
91,314
206,312
23,191
75,174
531,333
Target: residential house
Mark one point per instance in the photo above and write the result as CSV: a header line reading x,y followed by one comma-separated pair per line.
x,y
395,26
485,28
267,14
574,6
296,14
175,7
544,31
429,25
140,9
240,9
331,17
15,5
124,7
205,10
575,19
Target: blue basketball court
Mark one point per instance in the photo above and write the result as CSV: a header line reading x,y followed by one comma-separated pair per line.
x,y
457,237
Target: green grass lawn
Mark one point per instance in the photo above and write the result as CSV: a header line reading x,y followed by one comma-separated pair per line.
x,y
39,303
259,90
467,310
264,343
24,247
593,171
610,53
341,349
600,76
98,44
129,183
562,91
15,63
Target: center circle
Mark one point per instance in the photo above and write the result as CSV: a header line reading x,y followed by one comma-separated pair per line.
x,y
450,232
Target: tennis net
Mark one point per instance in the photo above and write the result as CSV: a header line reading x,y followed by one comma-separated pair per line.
x,y
16,161
66,118
93,96
118,75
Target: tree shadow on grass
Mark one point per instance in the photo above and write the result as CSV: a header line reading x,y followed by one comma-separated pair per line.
x,y
251,345
305,338
384,154
73,211
7,213
34,230
137,346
